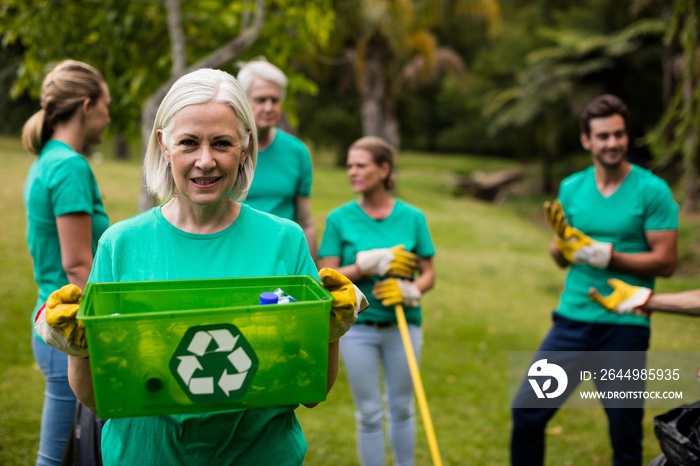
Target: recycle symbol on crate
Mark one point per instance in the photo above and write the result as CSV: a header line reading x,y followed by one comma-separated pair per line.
x,y
214,363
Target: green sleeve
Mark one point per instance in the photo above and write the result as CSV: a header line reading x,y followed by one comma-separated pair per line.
x,y
71,187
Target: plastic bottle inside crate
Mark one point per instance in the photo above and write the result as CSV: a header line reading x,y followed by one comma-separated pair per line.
x,y
275,297
268,297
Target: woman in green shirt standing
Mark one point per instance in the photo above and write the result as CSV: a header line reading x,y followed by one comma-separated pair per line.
x,y
65,218
380,242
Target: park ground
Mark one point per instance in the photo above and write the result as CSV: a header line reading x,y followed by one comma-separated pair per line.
x,y
496,288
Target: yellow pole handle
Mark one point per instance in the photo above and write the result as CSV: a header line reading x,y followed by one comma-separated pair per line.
x,y
418,386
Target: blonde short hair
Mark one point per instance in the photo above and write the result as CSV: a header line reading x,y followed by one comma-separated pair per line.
x,y
200,87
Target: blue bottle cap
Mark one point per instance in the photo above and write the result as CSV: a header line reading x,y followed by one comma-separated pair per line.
x,y
268,297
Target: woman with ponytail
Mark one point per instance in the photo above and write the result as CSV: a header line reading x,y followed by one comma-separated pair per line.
x,y
65,218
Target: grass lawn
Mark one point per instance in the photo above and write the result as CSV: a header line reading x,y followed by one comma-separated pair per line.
x,y
496,287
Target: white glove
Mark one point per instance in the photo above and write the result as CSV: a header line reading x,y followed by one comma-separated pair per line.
x,y
624,299
57,325
348,301
394,261
580,248
392,292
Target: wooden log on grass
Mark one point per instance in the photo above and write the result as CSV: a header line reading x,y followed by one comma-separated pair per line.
x,y
489,186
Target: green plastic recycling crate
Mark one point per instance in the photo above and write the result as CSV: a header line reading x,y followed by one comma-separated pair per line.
x,y
187,346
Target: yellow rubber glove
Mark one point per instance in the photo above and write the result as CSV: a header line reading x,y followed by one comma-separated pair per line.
x,y
396,262
56,321
624,299
348,301
62,318
393,291
68,294
554,213
574,245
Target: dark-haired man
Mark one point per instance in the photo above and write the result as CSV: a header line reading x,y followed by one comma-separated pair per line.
x,y
613,220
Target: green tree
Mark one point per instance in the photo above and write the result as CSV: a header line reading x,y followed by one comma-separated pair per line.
x,y
391,46
678,131
562,77
13,112
139,46
150,52
88,31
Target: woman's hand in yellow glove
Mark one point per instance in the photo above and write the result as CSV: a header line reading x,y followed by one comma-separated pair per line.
x,y
624,299
396,262
348,301
57,325
393,291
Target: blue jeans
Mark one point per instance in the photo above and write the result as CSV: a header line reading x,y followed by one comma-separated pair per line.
x,y
59,403
527,444
365,351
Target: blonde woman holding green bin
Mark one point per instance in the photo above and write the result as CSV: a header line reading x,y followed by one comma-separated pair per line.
x,y
200,161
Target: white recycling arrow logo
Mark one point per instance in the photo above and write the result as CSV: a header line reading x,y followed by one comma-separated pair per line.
x,y
241,362
199,347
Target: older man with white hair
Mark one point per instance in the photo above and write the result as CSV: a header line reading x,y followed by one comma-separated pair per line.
x,y
282,182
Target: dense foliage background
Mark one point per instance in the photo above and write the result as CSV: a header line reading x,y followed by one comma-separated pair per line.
x,y
499,77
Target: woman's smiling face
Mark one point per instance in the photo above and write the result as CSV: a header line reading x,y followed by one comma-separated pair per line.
x,y
204,149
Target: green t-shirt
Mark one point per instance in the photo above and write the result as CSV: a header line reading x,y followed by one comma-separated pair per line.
x,y
148,247
283,172
60,182
642,203
350,230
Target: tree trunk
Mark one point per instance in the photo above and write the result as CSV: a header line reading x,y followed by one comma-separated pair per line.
x,y
371,78
391,122
372,94
547,173
547,143
177,36
121,147
148,116
690,203
690,144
